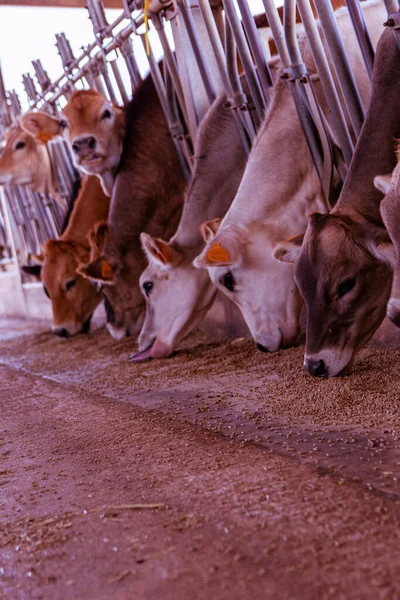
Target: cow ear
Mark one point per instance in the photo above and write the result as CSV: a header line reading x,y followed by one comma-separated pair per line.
x,y
34,270
40,125
209,229
99,270
383,183
159,251
222,249
289,251
384,252
96,238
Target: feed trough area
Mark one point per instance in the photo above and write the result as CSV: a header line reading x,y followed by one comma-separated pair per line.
x,y
199,306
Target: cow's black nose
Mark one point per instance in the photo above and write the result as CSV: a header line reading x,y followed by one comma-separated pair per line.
x,y
84,143
317,368
61,332
262,348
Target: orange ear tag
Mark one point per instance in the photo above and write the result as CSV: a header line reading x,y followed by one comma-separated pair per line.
x,y
217,253
106,270
43,137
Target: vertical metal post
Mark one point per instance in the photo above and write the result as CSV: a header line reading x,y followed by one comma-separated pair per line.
x,y
120,84
341,64
392,6
364,41
331,95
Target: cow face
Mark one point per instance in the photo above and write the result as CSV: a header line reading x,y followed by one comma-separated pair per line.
x,y
345,287
94,129
177,296
20,158
73,297
112,274
240,264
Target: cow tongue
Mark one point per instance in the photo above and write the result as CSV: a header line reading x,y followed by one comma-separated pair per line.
x,y
157,349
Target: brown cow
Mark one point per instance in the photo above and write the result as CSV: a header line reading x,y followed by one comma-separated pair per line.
x,y
339,268
148,196
26,161
73,297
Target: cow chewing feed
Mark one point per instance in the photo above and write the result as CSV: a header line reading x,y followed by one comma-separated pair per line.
x,y
342,265
177,294
147,196
94,129
279,190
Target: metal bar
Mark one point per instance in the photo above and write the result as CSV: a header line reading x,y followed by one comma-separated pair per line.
x,y
107,81
364,41
246,59
277,31
325,75
118,79
341,64
392,6
263,71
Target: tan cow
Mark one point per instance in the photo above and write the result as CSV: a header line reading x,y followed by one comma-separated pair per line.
x,y
25,161
73,297
278,191
342,264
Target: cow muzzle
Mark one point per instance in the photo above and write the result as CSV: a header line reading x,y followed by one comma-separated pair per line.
x,y
393,311
316,368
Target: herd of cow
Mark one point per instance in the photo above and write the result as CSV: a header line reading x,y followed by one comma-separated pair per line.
x,y
158,252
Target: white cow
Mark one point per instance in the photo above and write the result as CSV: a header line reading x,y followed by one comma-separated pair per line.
x,y
278,192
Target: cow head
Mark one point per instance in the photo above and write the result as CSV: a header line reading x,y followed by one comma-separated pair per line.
x,y
240,263
111,271
94,129
22,158
73,297
344,284
177,296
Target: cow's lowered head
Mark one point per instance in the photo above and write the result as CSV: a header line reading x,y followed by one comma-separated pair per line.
x,y
343,276
177,297
111,271
240,263
73,298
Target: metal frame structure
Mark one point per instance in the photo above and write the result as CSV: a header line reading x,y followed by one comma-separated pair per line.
x,y
201,41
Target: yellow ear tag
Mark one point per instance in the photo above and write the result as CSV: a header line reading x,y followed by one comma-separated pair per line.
x,y
146,22
106,270
217,253
43,137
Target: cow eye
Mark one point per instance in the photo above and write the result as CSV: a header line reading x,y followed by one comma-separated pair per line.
x,y
147,286
346,286
46,292
228,281
70,284
63,124
20,145
106,115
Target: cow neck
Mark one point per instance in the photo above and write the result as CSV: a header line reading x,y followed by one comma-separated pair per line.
x,y
279,168
219,166
90,207
374,153
44,178
149,188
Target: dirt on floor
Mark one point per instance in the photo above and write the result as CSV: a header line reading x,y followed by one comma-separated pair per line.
x,y
220,472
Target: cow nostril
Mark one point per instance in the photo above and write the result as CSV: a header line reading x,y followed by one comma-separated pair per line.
x,y
92,143
61,332
316,368
262,348
75,148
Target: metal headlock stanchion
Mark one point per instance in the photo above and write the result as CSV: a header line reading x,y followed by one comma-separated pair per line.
x,y
363,38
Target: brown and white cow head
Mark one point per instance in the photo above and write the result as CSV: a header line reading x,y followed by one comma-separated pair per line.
x,y
24,161
112,274
240,263
177,296
72,296
344,284
94,129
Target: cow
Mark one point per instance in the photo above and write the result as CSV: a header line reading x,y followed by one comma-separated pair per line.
x,y
343,262
279,190
72,296
177,294
25,161
148,196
